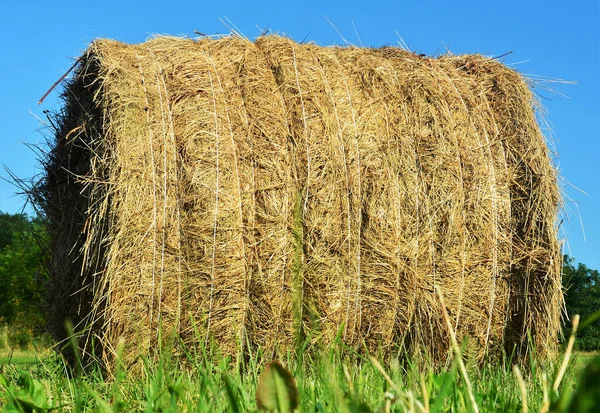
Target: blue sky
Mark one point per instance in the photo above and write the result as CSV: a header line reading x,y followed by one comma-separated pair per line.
x,y
558,39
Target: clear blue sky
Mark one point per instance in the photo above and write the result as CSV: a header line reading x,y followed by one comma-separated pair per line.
x,y
552,38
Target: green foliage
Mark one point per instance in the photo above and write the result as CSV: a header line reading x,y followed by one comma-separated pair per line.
x,y
334,381
27,396
3,337
20,337
276,389
582,296
22,275
10,225
587,397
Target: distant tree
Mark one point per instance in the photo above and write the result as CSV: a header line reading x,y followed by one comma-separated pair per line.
x,y
22,270
11,224
582,296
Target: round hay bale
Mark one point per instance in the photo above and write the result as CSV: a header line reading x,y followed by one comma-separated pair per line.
x,y
263,194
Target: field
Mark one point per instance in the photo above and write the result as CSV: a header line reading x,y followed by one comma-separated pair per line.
x,y
337,380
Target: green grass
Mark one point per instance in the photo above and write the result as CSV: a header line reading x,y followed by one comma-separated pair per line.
x,y
18,357
333,381
582,359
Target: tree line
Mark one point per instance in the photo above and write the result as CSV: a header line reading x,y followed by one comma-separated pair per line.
x,y
24,263
582,296
23,273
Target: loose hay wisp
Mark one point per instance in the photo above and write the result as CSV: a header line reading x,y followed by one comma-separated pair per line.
x,y
261,193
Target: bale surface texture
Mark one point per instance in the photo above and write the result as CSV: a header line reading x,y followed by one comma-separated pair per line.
x,y
267,193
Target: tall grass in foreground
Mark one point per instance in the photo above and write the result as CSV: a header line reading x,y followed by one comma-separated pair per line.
x,y
337,380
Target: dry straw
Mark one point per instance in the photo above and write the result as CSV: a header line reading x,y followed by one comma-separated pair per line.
x,y
262,193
